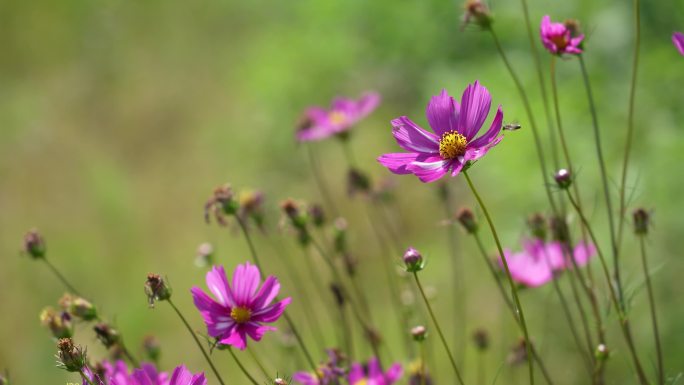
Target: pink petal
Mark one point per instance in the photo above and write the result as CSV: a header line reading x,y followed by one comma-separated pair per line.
x,y
475,105
413,138
368,102
236,338
678,40
271,313
494,130
269,290
217,282
398,162
583,253
246,279
442,113
394,373
473,154
430,170
255,331
216,317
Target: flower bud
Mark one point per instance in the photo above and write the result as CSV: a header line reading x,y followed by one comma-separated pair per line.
x,y
156,289
78,307
251,206
413,260
481,339
294,213
357,182
537,225
340,235
563,178
466,218
477,12
4,379
316,214
419,333
60,324
152,348
205,255
106,334
602,353
221,203
280,381
34,245
70,357
642,220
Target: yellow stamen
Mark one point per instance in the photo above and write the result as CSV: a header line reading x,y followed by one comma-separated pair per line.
x,y
452,145
241,314
362,381
337,117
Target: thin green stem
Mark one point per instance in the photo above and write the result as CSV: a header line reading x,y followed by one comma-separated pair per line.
x,y
197,341
514,290
320,181
530,117
651,303
242,368
439,329
624,322
128,354
259,364
61,277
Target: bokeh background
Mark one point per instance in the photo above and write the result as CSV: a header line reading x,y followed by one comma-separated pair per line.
x,y
118,118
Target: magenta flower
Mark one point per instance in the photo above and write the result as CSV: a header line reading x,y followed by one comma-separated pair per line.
x,y
329,372
452,146
536,264
558,39
182,376
239,311
117,373
678,40
372,374
344,113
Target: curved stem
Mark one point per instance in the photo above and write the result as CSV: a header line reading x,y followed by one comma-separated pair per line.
x,y
197,341
439,329
242,368
514,290
651,303
61,277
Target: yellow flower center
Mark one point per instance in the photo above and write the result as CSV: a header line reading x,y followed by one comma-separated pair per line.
x,y
337,117
452,145
362,381
241,314
560,42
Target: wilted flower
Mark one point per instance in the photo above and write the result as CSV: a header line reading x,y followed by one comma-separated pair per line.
x,y
107,334
452,146
221,203
78,307
372,373
69,356
678,40
156,289
59,323
319,123
34,245
239,311
558,38
536,263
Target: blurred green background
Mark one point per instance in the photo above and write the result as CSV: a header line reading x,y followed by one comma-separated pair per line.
x,y
118,118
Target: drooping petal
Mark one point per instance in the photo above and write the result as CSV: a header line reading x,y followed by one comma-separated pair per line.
x,y
255,331
412,137
442,113
678,40
430,169
236,338
217,282
271,313
246,279
475,105
269,290
398,162
491,134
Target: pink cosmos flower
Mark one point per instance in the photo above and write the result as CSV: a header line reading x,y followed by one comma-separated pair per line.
x,y
117,373
344,113
372,374
182,376
239,311
678,40
329,372
452,146
535,265
558,39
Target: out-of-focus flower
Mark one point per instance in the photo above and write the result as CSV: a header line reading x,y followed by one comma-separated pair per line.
x,y
481,339
221,203
536,263
558,38
156,289
70,357
678,40
152,348
413,260
518,353
417,374
205,255
372,373
59,323
319,123
182,376
78,307
476,12
452,147
252,207
34,244
239,311
328,373
642,221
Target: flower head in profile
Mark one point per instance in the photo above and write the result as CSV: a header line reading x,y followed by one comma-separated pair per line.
x,y
320,123
117,373
678,40
239,310
536,264
559,39
453,145
372,373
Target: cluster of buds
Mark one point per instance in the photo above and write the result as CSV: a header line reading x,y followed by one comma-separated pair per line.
x,y
59,323
298,219
537,225
221,204
413,260
481,339
358,182
156,289
419,333
34,244
642,221
467,219
78,307
69,356
109,336
476,12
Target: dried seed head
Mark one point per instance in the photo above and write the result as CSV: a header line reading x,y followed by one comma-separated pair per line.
x,y
34,244
477,12
221,203
70,357
466,218
106,334
156,289
78,307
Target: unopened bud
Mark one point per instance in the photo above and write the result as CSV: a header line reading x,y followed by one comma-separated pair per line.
x,y
294,213
70,357
317,215
59,323
280,381
419,333
340,235
152,348
78,307
413,260
642,220
34,245
106,334
357,182
466,218
481,339
477,12
563,178
537,225
602,353
156,289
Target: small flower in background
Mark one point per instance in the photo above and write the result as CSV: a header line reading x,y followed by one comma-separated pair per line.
x,y
678,40
297,218
319,123
34,244
330,372
205,255
239,311
78,307
221,203
476,12
419,333
156,289
452,147
559,39
182,376
372,373
70,357
59,323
